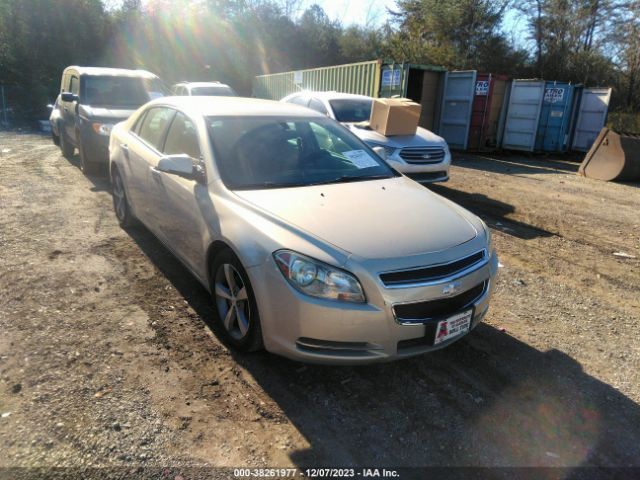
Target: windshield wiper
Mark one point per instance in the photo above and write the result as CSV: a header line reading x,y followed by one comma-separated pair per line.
x,y
350,178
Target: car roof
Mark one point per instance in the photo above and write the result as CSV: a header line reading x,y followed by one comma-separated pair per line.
x,y
116,72
332,95
237,106
202,84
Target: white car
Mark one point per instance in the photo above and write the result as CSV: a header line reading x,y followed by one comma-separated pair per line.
x,y
199,89
423,157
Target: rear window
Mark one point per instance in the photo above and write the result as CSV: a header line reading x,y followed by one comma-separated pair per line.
x,y
124,92
351,110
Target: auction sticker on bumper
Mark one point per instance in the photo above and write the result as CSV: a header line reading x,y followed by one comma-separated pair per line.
x,y
453,326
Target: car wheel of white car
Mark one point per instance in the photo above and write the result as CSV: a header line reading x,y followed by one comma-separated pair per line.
x,y
235,308
120,202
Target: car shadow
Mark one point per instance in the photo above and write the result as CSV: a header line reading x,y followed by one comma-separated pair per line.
x,y
487,400
99,179
492,211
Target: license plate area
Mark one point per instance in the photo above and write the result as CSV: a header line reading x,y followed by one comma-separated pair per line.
x,y
452,327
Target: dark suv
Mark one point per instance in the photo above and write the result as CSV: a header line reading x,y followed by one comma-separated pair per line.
x,y
91,101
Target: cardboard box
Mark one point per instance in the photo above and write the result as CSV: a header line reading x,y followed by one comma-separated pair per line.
x,y
395,116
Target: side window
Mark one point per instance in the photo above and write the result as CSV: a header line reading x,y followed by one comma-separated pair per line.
x,y
64,86
182,138
154,125
74,86
177,91
300,100
318,106
138,124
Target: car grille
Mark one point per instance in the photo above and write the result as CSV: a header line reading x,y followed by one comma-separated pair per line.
x,y
434,310
432,273
422,155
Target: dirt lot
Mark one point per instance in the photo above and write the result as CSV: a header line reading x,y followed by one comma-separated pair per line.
x,y
107,357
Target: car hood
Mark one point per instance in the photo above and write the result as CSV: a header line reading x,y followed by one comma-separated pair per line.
x,y
423,137
115,114
371,219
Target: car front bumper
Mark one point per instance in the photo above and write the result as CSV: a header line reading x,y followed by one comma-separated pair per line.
x,y
94,145
423,172
313,330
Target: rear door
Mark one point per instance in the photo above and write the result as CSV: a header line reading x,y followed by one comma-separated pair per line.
x,y
457,101
523,115
592,116
144,154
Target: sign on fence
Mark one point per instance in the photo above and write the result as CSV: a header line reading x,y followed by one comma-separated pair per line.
x,y
391,78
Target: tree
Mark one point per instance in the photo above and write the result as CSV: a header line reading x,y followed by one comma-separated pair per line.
x,y
453,33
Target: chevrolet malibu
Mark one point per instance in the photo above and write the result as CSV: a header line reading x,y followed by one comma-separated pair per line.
x,y
309,243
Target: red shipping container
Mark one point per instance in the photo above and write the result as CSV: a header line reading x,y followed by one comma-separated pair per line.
x,y
487,105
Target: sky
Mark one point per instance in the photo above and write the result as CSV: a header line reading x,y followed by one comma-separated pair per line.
x,y
361,12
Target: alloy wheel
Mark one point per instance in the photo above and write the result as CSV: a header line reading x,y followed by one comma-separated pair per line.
x,y
119,198
232,301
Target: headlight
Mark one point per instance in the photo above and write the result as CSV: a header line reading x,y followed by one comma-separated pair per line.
x,y
102,128
487,231
387,149
318,279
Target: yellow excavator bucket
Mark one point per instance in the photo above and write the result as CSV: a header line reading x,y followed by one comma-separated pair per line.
x,y
613,156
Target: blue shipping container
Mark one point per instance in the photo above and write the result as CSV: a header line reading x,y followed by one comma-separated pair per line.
x,y
555,117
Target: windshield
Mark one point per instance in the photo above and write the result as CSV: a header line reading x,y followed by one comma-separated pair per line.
x,y
113,91
351,110
213,91
277,152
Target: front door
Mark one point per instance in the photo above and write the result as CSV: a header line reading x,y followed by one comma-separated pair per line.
x,y
179,203
70,109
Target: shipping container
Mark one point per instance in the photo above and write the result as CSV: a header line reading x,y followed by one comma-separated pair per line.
x,y
555,118
420,83
591,117
457,101
490,96
523,115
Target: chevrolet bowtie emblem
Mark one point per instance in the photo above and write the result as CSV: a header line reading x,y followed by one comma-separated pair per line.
x,y
451,288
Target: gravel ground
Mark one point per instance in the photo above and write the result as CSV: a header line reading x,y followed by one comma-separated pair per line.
x,y
108,359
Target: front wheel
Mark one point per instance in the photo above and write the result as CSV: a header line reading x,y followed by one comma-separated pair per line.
x,y
120,201
235,308
66,147
87,167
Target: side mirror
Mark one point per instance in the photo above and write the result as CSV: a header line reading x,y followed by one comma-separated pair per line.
x,y
183,166
68,97
382,153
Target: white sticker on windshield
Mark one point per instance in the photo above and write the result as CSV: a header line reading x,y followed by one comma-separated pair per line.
x,y
360,158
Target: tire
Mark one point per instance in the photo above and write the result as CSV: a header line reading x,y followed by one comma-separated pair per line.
x,y
87,167
55,138
235,310
120,201
66,148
